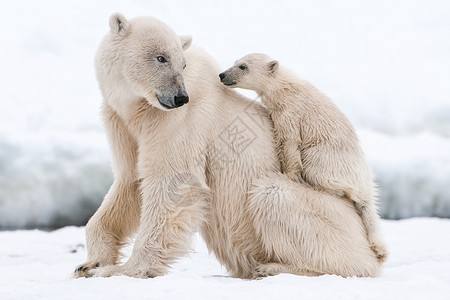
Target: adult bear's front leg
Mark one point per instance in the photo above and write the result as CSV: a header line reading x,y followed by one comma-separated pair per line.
x,y
168,221
118,216
108,229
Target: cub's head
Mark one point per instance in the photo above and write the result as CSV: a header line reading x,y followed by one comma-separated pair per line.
x,y
251,72
143,58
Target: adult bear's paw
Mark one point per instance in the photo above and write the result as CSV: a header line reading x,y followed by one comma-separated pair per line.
x,y
265,270
107,271
84,269
115,270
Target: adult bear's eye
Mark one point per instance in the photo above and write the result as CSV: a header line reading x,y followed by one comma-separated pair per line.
x,y
161,59
242,67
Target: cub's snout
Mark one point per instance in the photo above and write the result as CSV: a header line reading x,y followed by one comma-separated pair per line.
x,y
226,78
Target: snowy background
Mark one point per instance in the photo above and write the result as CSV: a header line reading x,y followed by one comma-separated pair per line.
x,y
385,63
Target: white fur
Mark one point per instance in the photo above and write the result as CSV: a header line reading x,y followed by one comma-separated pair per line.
x,y
317,145
184,169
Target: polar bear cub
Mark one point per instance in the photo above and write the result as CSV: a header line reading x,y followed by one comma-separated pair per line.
x,y
316,143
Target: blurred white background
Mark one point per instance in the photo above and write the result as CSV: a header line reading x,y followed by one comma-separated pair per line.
x,y
385,63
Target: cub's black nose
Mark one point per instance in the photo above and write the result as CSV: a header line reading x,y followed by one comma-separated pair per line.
x,y
181,99
222,76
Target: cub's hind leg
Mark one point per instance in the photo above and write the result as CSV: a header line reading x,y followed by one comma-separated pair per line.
x,y
370,220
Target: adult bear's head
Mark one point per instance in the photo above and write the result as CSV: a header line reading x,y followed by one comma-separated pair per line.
x,y
143,58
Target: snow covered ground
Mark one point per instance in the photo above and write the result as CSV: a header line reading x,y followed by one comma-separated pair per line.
x,y
38,265
385,63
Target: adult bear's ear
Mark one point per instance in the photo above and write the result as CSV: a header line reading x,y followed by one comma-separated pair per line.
x,y
186,41
273,66
119,24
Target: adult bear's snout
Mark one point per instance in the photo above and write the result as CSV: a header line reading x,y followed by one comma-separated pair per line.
x,y
222,76
181,99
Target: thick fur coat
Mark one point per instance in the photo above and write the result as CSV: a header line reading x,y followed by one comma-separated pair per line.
x,y
316,143
209,165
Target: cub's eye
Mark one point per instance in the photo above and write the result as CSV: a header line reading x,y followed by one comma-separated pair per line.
x,y
242,67
161,59
184,67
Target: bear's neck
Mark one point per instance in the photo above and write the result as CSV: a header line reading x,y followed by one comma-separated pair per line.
x,y
280,89
122,101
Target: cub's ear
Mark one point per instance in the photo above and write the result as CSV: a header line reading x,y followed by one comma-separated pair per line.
x,y
119,24
273,66
186,41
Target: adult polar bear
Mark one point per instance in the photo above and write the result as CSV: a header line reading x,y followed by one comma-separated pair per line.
x,y
255,221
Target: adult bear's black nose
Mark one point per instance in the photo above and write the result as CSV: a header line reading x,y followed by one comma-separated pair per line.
x,y
222,76
181,99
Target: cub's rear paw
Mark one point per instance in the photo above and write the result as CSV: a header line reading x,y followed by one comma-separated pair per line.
x,y
380,251
84,269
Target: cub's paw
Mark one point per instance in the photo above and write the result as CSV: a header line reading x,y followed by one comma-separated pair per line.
x,y
84,269
380,251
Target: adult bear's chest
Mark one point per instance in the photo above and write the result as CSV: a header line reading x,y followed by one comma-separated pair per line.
x,y
169,145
